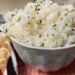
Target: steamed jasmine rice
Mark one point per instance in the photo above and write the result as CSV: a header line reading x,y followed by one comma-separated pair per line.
x,y
42,24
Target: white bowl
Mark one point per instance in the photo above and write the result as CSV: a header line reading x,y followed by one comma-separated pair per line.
x,y
45,59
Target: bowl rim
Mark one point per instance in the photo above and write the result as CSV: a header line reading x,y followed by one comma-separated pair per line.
x,y
39,48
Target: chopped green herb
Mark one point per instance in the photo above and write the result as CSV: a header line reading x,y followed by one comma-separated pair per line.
x,y
73,18
40,21
6,30
37,13
67,10
73,29
56,42
54,25
58,13
34,0
40,35
47,35
19,19
61,18
52,34
72,10
55,28
68,20
41,2
33,17
0,30
29,23
66,24
66,14
38,4
42,44
13,15
28,17
38,9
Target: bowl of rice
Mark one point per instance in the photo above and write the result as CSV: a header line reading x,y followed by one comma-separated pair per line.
x,y
43,34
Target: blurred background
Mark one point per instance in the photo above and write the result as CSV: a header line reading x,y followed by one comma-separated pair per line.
x,y
6,5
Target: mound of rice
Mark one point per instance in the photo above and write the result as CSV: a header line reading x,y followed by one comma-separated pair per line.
x,y
42,24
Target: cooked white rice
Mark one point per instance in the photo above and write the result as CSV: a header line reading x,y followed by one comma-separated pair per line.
x,y
42,24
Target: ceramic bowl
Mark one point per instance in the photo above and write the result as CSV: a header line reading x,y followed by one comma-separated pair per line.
x,y
51,59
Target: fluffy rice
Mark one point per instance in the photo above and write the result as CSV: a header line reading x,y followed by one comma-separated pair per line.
x,y
42,24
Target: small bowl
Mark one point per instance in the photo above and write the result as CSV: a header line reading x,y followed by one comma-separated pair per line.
x,y
44,59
